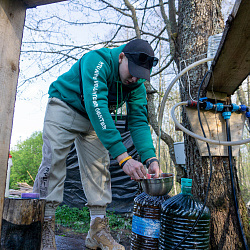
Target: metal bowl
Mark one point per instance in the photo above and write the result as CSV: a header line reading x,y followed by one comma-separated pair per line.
x,y
158,186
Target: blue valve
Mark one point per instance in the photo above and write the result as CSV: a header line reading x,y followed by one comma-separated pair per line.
x,y
203,99
209,106
226,115
243,108
219,107
235,107
248,114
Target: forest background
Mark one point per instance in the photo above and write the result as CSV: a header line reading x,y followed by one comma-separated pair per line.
x,y
56,35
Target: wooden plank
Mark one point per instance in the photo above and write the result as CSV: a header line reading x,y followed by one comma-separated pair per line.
x,y
232,61
12,16
35,3
215,128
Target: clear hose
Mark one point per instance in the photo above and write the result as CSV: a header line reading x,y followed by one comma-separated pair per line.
x,y
225,143
163,102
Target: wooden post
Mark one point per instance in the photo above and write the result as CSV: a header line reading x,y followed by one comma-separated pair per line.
x,y
12,16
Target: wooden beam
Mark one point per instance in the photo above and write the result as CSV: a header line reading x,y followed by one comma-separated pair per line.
x,y
231,65
12,16
35,3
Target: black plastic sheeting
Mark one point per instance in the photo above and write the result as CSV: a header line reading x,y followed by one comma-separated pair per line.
x,y
124,190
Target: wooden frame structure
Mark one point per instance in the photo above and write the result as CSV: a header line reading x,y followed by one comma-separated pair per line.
x,y
12,18
231,64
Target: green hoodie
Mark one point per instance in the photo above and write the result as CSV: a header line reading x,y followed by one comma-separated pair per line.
x,y
101,83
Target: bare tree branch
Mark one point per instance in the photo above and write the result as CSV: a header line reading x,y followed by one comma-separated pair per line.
x,y
163,68
116,8
134,18
141,13
153,120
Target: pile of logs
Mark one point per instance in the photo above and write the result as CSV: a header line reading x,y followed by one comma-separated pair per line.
x,y
23,187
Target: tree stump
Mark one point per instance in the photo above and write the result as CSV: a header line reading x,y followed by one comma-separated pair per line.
x,y
22,224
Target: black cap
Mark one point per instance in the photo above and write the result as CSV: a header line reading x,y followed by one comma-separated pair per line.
x,y
140,58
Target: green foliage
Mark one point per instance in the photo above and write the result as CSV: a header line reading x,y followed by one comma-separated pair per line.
x,y
117,221
26,159
79,219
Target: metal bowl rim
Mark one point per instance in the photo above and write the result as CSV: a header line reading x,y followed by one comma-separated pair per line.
x,y
160,180
166,182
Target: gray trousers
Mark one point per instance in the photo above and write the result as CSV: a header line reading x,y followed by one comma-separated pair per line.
x,y
62,127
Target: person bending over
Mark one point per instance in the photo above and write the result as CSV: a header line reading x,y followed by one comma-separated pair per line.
x,y
79,111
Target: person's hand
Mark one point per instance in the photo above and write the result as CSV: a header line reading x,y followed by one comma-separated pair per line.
x,y
154,168
131,167
134,169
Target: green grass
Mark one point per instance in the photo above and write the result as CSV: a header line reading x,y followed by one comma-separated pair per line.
x,y
79,219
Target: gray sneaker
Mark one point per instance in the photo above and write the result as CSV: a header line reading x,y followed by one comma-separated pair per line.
x,y
48,234
99,236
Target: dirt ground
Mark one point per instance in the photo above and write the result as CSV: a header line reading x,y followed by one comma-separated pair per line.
x,y
66,239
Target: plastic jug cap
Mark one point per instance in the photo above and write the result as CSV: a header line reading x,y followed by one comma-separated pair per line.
x,y
186,186
186,182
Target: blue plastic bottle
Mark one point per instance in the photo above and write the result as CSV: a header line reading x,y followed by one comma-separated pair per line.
x,y
178,215
146,222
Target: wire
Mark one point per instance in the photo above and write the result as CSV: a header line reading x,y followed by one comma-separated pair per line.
x,y
163,102
211,167
233,186
210,176
189,132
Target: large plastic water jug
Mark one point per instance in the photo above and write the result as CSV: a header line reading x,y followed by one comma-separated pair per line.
x,y
146,221
178,215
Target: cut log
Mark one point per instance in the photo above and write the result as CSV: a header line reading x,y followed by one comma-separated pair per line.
x,y
22,224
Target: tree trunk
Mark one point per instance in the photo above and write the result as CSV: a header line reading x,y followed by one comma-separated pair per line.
x,y
197,21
